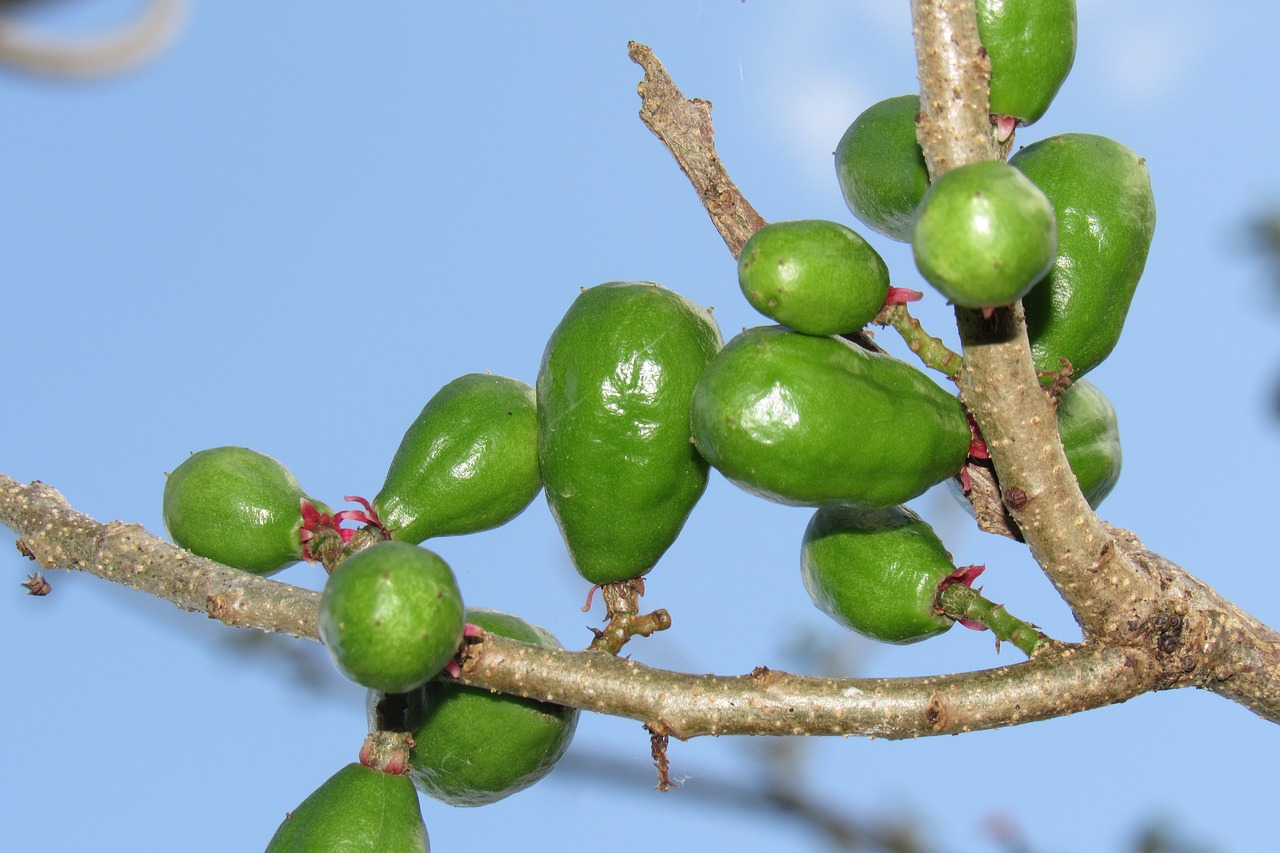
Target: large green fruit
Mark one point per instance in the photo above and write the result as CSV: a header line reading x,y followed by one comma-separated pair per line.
x,y
471,746
1090,436
817,277
237,506
469,462
984,235
1106,215
614,390
1032,46
391,616
881,168
809,420
876,571
357,809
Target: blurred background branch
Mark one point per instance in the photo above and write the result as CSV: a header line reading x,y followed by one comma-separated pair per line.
x,y
26,46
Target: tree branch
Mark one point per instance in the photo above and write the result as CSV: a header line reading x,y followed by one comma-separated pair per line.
x,y
1160,628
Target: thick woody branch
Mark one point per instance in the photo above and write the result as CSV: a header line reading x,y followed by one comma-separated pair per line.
x,y
1196,639
1107,592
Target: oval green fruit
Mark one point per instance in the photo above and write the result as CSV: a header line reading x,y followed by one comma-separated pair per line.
x,y
876,571
881,168
357,809
1106,215
237,506
614,390
468,462
391,616
807,420
1032,46
816,276
984,235
1090,436
472,747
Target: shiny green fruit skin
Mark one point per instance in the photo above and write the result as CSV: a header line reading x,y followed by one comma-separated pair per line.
x,y
237,506
472,747
817,277
984,236
806,420
881,168
1090,436
1101,196
614,390
357,810
1032,46
876,571
391,616
469,462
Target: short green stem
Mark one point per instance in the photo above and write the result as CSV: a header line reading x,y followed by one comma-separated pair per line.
x,y
962,602
930,350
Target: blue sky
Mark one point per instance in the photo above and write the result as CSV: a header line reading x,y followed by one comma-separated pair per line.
x,y
304,219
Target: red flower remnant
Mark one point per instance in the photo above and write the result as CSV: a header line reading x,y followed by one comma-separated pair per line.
x,y
897,295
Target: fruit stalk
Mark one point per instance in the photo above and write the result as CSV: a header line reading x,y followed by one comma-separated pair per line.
x,y
964,603
931,351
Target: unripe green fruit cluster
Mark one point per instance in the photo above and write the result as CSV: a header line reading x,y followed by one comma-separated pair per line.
x,y
637,398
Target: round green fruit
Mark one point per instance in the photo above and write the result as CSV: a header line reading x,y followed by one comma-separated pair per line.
x,y
1106,216
614,390
984,236
881,168
817,277
469,462
391,616
876,571
1090,436
472,747
237,506
808,420
357,809
1032,46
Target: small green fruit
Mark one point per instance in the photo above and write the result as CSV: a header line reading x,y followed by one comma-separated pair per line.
x,y
808,420
357,809
876,571
472,747
817,277
391,616
237,506
881,168
469,462
1032,46
1090,436
985,235
614,390
1106,216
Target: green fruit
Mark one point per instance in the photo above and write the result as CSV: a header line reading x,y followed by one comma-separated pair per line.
x,y
469,462
1091,438
876,571
1106,215
237,506
984,236
357,809
613,424
881,168
1032,45
817,277
472,747
391,616
807,420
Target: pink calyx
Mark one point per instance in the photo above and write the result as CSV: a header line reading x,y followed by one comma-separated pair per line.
x,y
897,295
368,515
1005,125
314,521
